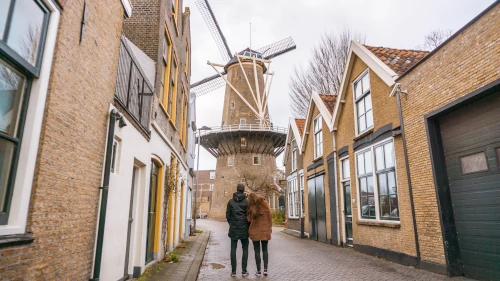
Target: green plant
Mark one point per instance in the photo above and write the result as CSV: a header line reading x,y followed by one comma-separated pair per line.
x,y
199,231
278,217
172,257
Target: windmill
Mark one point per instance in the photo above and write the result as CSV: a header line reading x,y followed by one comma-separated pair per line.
x,y
247,141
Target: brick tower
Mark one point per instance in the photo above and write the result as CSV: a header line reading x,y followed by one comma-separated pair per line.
x,y
246,143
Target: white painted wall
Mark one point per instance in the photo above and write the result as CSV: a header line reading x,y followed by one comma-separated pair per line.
x,y
115,230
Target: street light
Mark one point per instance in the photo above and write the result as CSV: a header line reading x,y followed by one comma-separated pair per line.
x,y
204,128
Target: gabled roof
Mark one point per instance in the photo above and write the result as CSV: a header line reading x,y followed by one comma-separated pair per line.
x,y
329,101
300,125
325,105
398,60
295,131
387,63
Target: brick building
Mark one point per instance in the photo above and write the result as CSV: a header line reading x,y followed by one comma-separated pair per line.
x,y
450,110
206,186
294,174
52,144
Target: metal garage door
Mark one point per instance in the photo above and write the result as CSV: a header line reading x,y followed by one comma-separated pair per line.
x,y
471,143
317,208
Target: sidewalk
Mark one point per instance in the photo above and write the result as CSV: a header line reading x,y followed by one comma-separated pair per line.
x,y
187,268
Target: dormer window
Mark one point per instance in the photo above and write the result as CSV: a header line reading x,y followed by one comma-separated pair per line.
x,y
318,137
252,54
294,155
363,99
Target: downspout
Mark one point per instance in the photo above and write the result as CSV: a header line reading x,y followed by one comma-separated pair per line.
x,y
336,185
113,116
417,245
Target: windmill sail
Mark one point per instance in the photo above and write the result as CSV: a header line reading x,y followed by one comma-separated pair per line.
x,y
277,48
214,28
207,85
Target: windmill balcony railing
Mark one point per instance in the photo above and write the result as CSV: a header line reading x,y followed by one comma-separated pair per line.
x,y
249,127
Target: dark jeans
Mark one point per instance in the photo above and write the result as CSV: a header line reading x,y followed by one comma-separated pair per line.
x,y
244,259
256,248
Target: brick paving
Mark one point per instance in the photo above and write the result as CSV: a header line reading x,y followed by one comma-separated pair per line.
x,y
291,258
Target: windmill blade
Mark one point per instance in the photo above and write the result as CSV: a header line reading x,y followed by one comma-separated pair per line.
x,y
214,28
278,48
207,85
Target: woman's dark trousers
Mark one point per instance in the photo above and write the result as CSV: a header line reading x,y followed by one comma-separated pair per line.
x,y
256,248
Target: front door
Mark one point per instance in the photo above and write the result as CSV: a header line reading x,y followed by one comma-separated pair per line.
x,y
152,213
130,220
347,213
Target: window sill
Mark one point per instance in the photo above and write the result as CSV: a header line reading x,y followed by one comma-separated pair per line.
x,y
364,134
318,158
15,240
394,224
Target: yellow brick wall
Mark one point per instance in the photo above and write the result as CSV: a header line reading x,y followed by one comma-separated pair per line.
x,y
384,112
468,62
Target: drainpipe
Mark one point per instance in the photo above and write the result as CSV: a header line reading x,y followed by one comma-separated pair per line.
x,y
113,116
336,185
398,96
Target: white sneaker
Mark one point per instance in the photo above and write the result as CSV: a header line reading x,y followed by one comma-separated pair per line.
x,y
258,273
265,272
233,274
245,274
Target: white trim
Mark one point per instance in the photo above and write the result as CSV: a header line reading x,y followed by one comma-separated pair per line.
x,y
381,69
23,183
363,96
292,129
375,183
342,196
320,132
327,117
127,7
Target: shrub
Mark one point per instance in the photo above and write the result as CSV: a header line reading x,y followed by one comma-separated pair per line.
x,y
278,217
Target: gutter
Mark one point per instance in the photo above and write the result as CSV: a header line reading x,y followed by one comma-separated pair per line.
x,y
113,116
403,135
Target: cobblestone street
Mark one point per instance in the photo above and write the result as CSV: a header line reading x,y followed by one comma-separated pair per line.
x,y
293,259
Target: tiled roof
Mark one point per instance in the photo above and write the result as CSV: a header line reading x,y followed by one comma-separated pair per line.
x,y
329,101
300,125
398,60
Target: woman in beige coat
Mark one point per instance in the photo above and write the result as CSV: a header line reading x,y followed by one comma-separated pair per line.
x,y
261,223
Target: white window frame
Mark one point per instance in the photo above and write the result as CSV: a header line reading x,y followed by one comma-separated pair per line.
x,y
342,199
362,97
243,122
294,155
115,156
318,134
292,198
302,195
212,175
230,161
211,187
377,218
19,204
258,159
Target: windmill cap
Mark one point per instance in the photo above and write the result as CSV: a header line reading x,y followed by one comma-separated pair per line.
x,y
234,60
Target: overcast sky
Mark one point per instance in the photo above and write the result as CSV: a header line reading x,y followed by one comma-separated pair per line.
x,y
397,24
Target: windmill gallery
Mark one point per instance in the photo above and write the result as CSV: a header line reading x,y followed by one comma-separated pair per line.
x,y
390,172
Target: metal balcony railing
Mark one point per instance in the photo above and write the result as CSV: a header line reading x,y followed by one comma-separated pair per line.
x,y
250,127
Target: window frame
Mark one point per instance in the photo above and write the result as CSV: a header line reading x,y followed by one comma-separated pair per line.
x,y
211,187
244,123
231,105
167,64
258,159
37,76
230,161
183,123
301,182
188,61
318,133
175,13
362,97
173,116
243,141
292,193
212,175
294,155
114,158
374,175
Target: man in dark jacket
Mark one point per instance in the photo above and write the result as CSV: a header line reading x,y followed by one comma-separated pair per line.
x,y
236,215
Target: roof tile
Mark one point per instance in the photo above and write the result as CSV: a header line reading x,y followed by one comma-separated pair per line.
x,y
398,60
329,101
300,125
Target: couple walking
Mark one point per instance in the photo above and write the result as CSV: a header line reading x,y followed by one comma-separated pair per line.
x,y
249,218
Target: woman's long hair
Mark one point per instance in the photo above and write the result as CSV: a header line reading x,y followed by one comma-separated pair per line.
x,y
256,205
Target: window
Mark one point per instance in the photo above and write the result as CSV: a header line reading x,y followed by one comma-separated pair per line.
x,y
175,10
318,137
184,123
172,92
363,100
167,58
243,122
474,163
186,66
378,198
302,194
113,157
243,142
386,179
294,155
230,161
23,26
293,199
212,175
211,187
232,105
256,160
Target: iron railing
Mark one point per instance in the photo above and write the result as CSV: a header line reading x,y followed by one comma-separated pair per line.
x,y
133,90
252,127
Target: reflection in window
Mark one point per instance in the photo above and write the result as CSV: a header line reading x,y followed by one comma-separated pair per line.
x,y
363,103
387,190
474,163
25,29
365,180
11,93
6,155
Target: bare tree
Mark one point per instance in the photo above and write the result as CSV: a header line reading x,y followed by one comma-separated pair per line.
x,y
263,184
435,38
323,72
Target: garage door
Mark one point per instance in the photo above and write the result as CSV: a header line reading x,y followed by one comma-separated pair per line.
x,y
471,143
